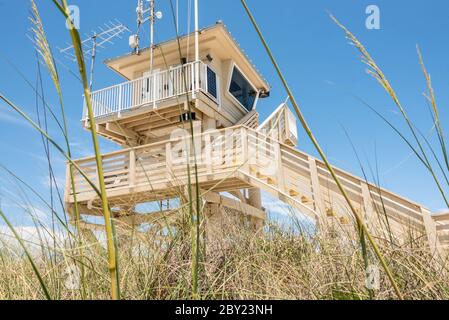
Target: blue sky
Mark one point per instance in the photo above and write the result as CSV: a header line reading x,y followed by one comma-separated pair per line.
x,y
321,68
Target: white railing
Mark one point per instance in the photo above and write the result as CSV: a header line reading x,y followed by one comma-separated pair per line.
x,y
147,167
289,174
442,227
281,126
150,90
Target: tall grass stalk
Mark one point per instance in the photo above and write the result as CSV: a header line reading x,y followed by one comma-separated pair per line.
x,y
436,117
45,52
375,71
28,255
112,254
359,220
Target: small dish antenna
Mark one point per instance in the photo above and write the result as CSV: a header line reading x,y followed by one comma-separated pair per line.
x,y
159,15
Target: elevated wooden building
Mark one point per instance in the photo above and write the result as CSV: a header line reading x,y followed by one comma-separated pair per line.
x,y
236,156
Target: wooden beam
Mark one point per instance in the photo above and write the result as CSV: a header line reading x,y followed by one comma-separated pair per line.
x,y
440,217
246,209
157,217
238,194
316,188
122,131
110,135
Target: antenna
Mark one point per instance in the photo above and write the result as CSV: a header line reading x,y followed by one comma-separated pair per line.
x,y
177,16
145,13
197,31
94,41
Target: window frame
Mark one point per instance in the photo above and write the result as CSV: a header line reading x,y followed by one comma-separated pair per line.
x,y
218,83
228,90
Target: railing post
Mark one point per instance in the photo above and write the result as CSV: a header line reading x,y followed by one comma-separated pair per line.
x,y
192,81
68,183
316,188
367,203
197,75
153,76
132,168
284,135
245,154
431,231
280,169
120,100
169,161
208,154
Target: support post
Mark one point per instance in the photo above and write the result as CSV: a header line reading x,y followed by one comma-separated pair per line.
x,y
316,188
255,198
431,231
280,168
119,107
367,204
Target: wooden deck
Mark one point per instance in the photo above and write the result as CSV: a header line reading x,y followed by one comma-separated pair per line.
x,y
142,110
156,172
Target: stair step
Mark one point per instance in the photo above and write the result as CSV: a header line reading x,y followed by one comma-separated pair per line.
x,y
344,220
261,176
306,200
293,193
330,212
253,170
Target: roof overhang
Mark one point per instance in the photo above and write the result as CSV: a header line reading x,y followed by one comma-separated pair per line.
x,y
216,38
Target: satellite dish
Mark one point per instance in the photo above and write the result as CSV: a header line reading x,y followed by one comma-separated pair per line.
x,y
159,15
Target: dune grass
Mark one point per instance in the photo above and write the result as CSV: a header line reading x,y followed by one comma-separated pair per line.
x,y
280,264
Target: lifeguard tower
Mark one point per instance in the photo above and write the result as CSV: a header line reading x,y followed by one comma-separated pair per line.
x,y
214,88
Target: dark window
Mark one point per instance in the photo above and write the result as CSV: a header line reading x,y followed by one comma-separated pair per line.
x,y
187,117
212,83
242,90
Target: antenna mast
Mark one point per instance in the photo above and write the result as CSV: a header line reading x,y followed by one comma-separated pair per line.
x,y
197,45
151,35
177,16
197,31
142,11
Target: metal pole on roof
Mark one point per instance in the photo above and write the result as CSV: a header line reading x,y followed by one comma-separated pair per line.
x,y
92,62
197,46
152,16
177,16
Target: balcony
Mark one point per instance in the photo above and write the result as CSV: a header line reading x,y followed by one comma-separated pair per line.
x,y
157,171
151,91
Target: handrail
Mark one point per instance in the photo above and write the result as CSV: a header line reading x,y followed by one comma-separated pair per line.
x,y
281,123
148,90
155,156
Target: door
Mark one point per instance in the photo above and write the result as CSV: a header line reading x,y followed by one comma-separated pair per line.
x,y
150,86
